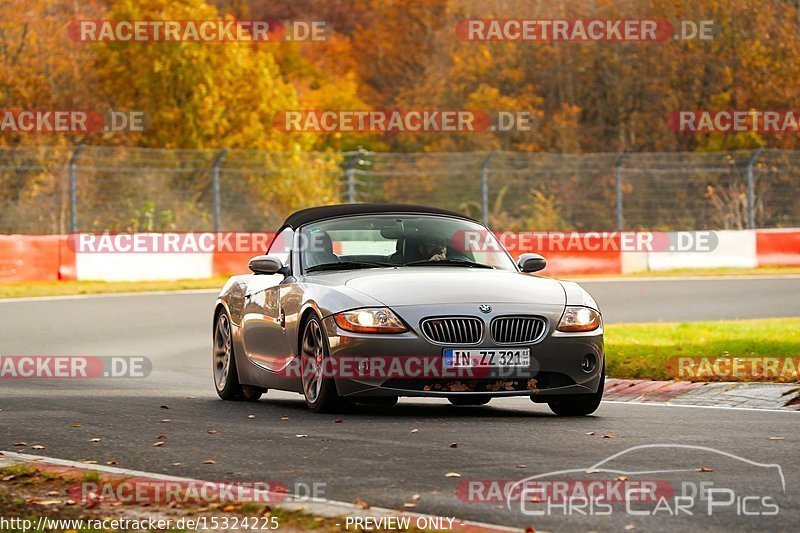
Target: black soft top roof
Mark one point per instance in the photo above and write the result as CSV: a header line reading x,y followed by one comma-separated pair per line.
x,y
312,214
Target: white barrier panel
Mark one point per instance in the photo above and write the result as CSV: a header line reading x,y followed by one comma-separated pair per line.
x,y
734,248
142,266
633,262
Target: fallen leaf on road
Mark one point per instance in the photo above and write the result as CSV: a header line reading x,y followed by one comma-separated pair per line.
x,y
621,478
177,464
94,440
9,477
415,430
76,425
229,508
454,445
704,469
362,504
409,505
165,420
415,497
91,499
164,407
522,466
591,433
212,431
20,443
452,474
301,436
776,438
159,437
89,462
284,418
47,502
111,462
37,447
251,416
630,527
209,462
608,436
191,397
337,421
158,443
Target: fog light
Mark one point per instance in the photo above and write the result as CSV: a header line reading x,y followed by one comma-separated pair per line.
x,y
588,363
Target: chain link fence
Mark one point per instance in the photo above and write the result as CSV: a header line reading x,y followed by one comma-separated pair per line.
x,y
46,190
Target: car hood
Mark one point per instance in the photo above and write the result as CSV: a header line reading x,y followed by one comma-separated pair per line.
x,y
442,285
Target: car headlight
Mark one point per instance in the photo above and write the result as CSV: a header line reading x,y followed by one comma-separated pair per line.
x,y
370,320
579,319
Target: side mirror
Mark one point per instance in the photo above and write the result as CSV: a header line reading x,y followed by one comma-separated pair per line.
x,y
266,264
531,262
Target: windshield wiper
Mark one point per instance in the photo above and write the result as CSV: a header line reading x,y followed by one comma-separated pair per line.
x,y
448,262
348,265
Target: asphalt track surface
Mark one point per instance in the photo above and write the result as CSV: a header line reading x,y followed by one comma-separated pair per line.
x,y
372,453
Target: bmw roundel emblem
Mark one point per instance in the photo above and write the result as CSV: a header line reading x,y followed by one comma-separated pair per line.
x,y
485,308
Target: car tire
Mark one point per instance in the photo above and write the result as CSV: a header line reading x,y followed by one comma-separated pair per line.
x,y
226,378
582,405
469,400
319,390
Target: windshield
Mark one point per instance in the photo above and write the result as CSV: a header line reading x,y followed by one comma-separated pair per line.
x,y
374,241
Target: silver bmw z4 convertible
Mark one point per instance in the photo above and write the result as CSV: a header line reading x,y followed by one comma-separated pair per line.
x,y
365,303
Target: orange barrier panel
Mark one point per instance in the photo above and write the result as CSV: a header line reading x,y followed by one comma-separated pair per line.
x,y
569,263
229,260
29,257
66,268
561,261
778,247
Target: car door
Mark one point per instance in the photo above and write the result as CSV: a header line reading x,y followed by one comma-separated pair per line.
x,y
266,342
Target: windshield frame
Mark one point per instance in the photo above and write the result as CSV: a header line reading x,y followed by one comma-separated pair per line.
x,y
300,232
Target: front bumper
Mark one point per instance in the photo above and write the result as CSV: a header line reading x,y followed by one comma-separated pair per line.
x,y
411,365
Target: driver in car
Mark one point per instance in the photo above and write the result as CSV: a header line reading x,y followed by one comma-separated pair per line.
x,y
433,248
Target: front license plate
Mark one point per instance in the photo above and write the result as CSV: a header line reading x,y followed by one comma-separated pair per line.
x,y
457,358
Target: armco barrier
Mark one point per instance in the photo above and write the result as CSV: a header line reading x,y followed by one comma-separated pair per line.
x,y
561,262
30,257
227,261
49,258
735,249
778,247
